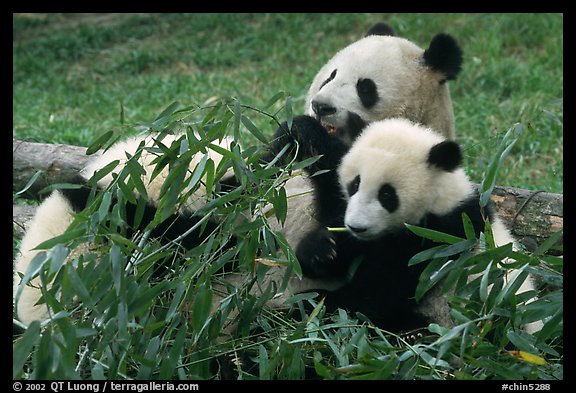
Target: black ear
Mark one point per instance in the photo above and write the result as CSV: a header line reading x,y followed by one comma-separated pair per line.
x,y
444,55
445,155
380,28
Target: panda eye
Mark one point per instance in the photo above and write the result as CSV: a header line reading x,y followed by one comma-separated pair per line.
x,y
367,91
353,186
330,78
388,197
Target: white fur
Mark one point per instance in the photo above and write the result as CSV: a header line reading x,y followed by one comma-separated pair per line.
x,y
406,87
51,219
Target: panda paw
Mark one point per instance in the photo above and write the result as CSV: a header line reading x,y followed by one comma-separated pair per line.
x,y
305,131
317,254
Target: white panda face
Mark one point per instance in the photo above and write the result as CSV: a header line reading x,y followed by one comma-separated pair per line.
x,y
370,212
397,172
367,81
381,201
381,77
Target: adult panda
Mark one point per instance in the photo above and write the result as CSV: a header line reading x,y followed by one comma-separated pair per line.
x,y
54,215
396,172
377,77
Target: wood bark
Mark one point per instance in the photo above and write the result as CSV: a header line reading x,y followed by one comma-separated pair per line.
x,y
531,215
59,163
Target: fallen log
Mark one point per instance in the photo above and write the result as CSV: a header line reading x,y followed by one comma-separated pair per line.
x,y
531,215
59,163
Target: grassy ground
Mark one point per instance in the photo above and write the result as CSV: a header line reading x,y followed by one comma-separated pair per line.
x,y
79,75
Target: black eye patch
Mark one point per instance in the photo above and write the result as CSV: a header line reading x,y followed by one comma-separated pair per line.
x,y
367,92
388,198
353,186
330,78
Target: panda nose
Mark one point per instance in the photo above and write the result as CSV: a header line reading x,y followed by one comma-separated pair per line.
x,y
357,229
322,109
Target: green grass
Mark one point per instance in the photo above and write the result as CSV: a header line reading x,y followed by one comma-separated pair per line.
x,y
77,76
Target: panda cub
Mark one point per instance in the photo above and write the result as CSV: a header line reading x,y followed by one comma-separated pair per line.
x,y
56,213
396,172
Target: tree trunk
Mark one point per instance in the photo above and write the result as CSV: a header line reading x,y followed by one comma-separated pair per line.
x,y
531,215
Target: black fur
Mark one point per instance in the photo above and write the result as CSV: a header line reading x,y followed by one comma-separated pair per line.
x,y
354,126
322,109
444,55
445,155
330,78
388,198
380,28
367,92
383,286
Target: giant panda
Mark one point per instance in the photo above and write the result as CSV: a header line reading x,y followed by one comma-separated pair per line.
x,y
396,172
54,215
377,77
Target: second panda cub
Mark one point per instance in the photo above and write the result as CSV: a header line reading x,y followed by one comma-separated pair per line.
x,y
396,172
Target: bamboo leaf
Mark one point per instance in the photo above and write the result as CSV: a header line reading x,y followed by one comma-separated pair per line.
x,y
253,129
305,163
549,243
171,360
79,288
59,186
117,268
104,206
280,205
489,180
484,283
468,227
433,235
210,177
145,370
144,298
425,255
202,307
64,238
528,357
108,168
99,142
288,110
181,290
263,360
513,285
30,182
22,348
275,98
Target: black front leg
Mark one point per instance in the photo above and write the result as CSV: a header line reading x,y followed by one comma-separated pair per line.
x,y
319,255
308,138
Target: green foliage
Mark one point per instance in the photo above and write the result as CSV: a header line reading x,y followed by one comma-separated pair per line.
x,y
113,318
